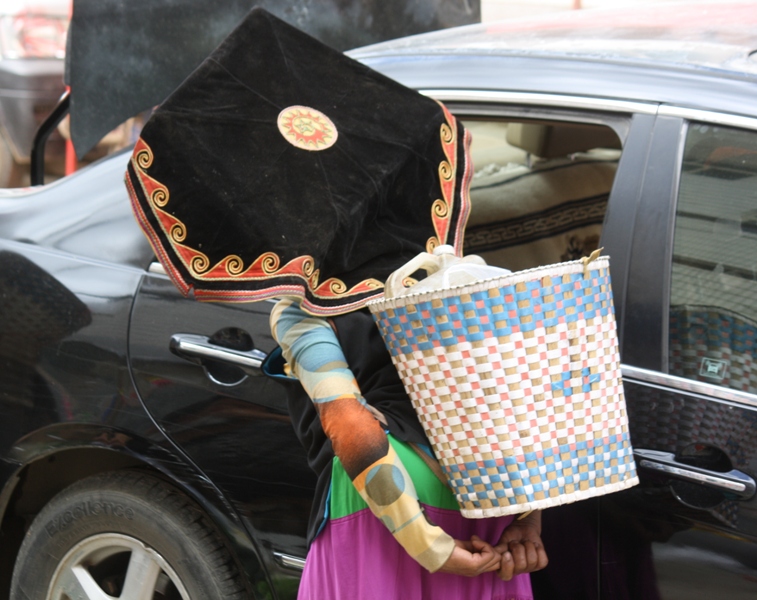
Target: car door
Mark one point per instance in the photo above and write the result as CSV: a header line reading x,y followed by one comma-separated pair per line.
x,y
551,185
196,367
690,529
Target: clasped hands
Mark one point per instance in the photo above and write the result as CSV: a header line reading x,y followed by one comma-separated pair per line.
x,y
519,550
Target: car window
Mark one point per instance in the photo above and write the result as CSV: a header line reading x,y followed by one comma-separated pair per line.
x,y
539,190
713,304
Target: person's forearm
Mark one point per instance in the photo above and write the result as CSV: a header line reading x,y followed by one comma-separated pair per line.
x,y
315,357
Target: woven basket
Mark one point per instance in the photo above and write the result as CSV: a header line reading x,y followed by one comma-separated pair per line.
x,y
516,381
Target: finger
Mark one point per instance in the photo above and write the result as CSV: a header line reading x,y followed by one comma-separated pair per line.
x,y
543,560
474,538
508,535
489,561
480,544
491,567
485,554
465,545
519,558
488,565
532,557
466,564
501,548
506,567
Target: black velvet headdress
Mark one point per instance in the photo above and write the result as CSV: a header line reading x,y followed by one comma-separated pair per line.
x,y
281,167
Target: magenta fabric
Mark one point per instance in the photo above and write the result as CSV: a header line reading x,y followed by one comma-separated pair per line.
x,y
356,558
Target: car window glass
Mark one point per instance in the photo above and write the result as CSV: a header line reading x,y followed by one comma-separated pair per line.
x,y
539,190
713,305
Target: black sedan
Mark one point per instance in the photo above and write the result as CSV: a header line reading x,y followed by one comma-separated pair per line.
x,y
144,455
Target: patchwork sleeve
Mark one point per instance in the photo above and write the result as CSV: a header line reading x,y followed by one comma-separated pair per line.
x,y
315,357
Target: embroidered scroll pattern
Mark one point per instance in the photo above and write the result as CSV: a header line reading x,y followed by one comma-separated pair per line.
x,y
266,266
441,209
269,264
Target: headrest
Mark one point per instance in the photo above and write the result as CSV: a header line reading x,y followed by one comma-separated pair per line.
x,y
552,141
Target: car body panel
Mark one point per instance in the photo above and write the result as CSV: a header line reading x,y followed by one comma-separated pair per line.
x,y
103,228
541,75
65,378
223,433
689,552
646,298
232,424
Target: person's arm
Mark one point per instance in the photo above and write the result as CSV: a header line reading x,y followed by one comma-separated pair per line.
x,y
315,357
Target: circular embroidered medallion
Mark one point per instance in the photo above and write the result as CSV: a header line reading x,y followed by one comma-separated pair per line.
x,y
306,128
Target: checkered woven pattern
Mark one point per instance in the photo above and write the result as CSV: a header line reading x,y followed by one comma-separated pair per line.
x,y
517,383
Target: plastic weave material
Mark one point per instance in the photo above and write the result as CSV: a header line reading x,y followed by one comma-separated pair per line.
x,y
516,381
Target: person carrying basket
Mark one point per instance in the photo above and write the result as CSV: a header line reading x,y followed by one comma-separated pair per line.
x,y
283,169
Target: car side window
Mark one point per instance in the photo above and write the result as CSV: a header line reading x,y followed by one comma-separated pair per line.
x,y
539,190
713,303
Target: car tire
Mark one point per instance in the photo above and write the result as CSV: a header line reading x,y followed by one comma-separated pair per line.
x,y
84,541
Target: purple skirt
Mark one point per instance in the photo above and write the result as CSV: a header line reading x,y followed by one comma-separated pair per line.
x,y
356,558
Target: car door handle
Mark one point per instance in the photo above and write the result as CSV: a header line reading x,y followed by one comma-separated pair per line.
x,y
734,483
199,347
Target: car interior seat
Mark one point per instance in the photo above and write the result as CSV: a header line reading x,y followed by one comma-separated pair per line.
x,y
539,191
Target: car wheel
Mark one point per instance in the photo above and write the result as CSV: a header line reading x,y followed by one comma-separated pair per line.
x,y
124,535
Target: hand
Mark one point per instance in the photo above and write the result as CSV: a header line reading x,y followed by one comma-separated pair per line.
x,y
521,547
471,558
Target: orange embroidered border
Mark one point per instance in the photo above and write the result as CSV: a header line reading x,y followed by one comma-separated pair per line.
x,y
441,209
268,265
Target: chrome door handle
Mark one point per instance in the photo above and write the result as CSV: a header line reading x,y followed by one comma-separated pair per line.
x,y
200,347
734,483
287,560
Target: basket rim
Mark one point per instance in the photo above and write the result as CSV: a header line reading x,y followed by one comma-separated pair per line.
x,y
569,267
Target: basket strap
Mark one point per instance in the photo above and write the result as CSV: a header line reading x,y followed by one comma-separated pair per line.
x,y
431,462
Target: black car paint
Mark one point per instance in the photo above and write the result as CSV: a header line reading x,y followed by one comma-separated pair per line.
x,y
660,516
230,445
651,237
238,434
73,409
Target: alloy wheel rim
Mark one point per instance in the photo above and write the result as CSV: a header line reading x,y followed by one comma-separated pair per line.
x,y
110,566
